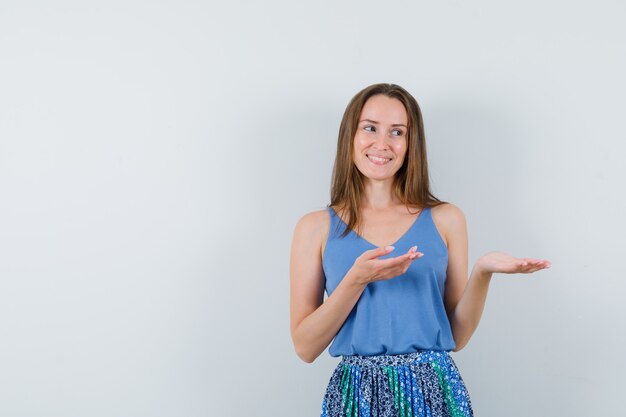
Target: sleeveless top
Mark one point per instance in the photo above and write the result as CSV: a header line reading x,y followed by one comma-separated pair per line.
x,y
403,314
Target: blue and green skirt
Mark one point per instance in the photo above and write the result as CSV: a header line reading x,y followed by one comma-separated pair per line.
x,y
424,383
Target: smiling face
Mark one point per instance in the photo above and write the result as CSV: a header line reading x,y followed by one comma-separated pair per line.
x,y
380,142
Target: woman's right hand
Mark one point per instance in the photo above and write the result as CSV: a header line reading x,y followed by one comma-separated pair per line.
x,y
368,268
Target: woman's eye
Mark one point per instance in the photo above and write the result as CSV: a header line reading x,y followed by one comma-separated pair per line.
x,y
396,132
370,128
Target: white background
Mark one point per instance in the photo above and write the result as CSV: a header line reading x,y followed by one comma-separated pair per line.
x,y
155,157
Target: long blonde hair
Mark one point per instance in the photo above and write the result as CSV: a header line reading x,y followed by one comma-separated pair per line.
x,y
411,182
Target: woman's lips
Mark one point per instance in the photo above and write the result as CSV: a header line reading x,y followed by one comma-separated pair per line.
x,y
377,160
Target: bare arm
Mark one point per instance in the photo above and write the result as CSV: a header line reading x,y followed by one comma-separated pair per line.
x,y
314,322
465,299
466,316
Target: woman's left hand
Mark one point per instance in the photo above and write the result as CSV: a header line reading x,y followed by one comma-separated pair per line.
x,y
494,262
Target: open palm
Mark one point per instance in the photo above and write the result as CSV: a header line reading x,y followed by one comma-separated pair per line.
x,y
500,262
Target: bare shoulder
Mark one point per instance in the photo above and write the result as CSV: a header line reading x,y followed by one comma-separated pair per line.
x,y
314,221
448,219
313,227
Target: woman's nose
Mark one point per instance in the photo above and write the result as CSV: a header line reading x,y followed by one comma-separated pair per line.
x,y
380,140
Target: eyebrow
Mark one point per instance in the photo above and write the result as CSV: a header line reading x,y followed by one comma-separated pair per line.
x,y
375,122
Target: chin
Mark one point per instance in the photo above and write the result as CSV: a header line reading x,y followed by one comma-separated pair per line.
x,y
377,176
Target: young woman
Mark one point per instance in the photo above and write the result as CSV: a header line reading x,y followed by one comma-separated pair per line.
x,y
393,260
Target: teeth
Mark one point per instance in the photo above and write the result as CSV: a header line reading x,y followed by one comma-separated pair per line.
x,y
377,159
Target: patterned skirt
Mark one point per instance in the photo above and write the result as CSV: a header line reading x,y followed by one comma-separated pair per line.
x,y
424,383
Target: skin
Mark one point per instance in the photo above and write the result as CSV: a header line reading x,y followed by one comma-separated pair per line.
x,y
315,322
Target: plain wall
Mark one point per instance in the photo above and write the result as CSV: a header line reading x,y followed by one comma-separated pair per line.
x,y
156,156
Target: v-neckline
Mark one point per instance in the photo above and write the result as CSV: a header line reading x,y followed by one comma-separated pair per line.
x,y
376,246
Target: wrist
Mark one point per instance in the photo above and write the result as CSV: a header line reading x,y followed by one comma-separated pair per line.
x,y
480,273
354,280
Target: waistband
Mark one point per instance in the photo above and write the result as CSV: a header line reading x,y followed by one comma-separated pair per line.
x,y
420,356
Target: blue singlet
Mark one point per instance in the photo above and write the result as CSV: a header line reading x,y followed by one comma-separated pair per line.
x,y
400,315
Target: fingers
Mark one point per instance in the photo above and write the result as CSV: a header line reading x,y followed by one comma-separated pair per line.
x,y
384,250
414,253
382,269
528,265
535,262
375,253
411,254
400,263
